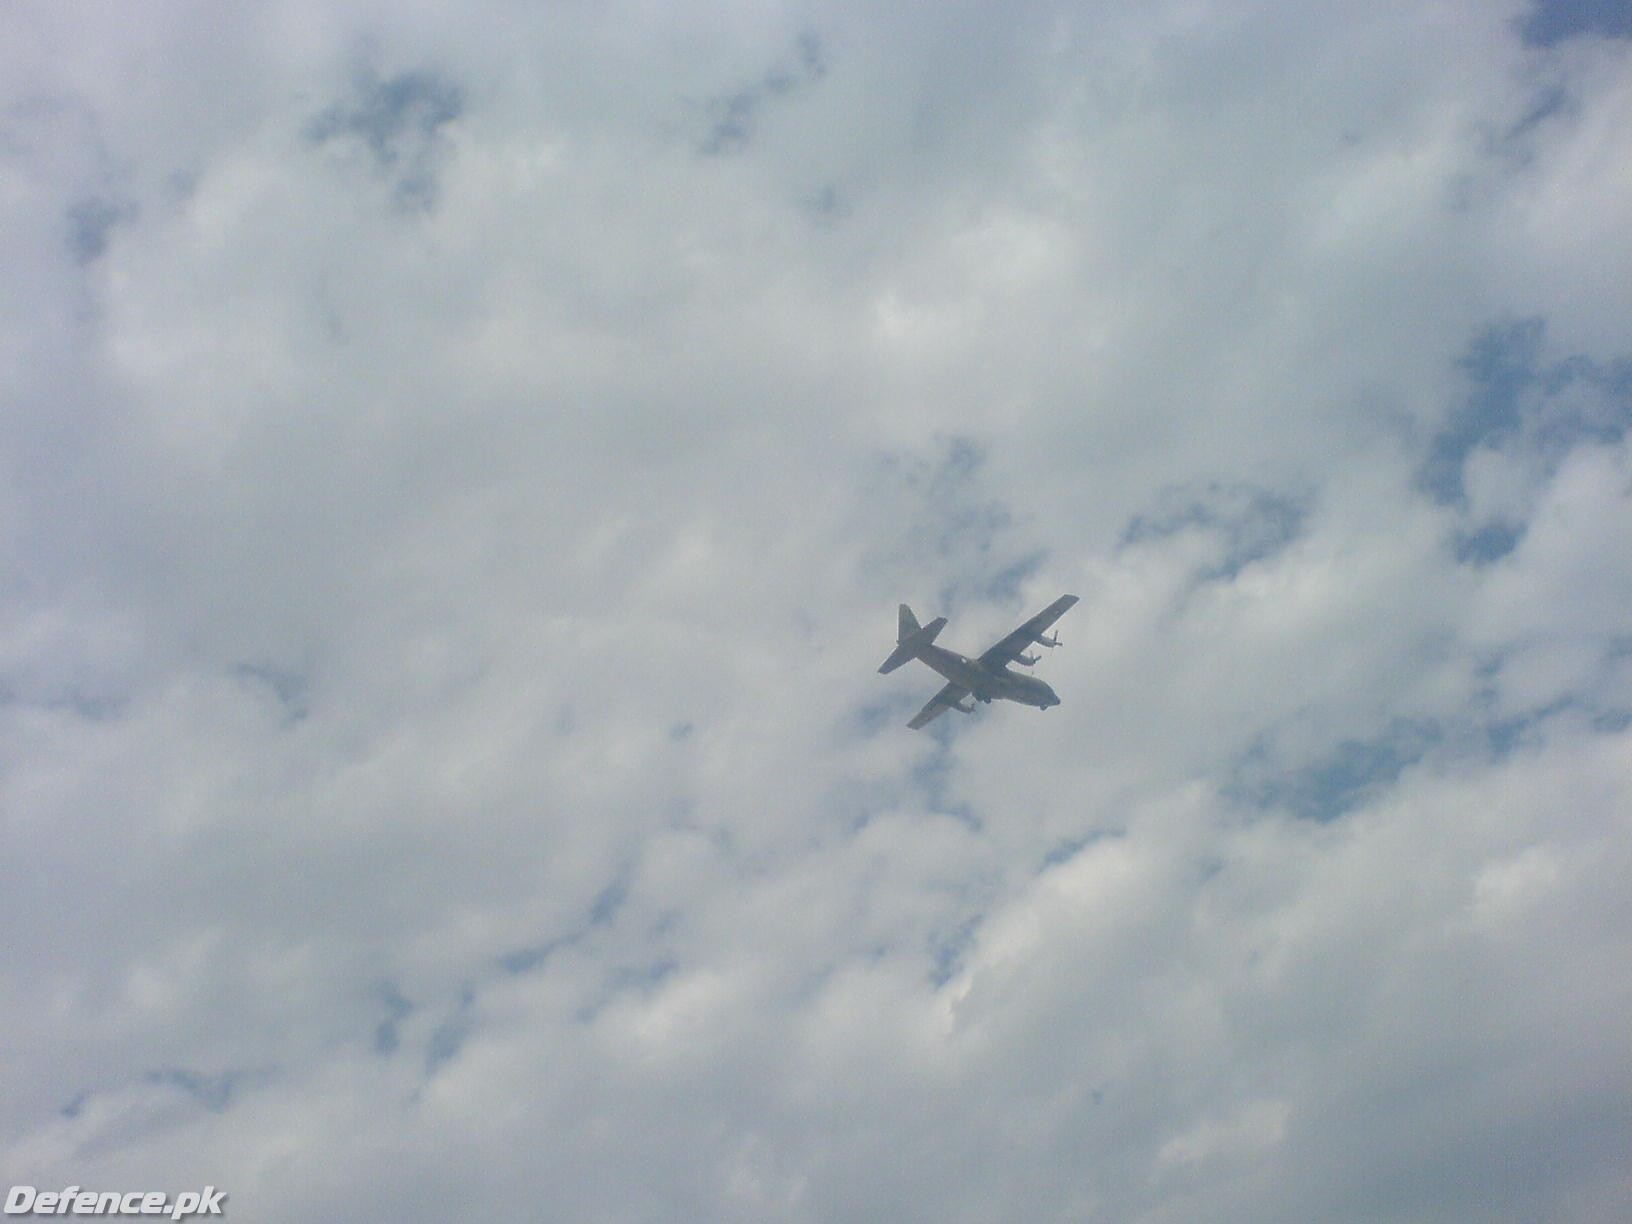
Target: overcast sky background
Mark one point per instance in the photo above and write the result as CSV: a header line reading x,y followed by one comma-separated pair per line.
x,y
460,464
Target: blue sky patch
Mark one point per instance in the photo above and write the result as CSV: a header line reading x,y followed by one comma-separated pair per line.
x,y
449,1037
91,223
386,1034
1344,777
1550,22
289,688
736,116
942,519
1520,399
1250,524
1489,543
1502,365
398,121
212,1092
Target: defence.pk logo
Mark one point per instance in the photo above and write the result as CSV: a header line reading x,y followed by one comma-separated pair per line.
x,y
25,1200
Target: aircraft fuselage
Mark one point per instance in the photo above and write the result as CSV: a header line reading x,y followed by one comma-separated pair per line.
x,y
988,683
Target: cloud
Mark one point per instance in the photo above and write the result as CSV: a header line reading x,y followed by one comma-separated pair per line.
x,y
450,527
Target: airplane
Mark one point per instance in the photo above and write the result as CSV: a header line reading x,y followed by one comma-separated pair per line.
x,y
984,678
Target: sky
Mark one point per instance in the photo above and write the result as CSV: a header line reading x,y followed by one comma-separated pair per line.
x,y
458,469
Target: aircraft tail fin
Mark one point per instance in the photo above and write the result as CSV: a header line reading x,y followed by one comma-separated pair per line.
x,y
909,624
911,639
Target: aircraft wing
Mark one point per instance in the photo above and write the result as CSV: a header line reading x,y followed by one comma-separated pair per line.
x,y
1014,645
947,699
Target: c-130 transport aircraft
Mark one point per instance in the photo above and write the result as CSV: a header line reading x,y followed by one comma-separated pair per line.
x,y
984,678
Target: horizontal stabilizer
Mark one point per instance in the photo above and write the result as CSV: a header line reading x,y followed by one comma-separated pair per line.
x,y
913,639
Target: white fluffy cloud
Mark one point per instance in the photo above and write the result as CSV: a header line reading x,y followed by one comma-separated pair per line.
x,y
459,472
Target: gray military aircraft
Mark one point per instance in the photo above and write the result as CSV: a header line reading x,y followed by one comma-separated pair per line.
x,y
983,678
